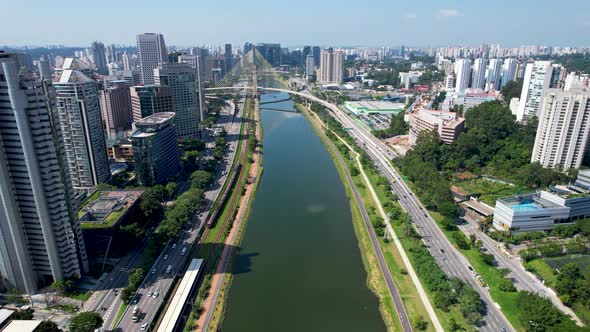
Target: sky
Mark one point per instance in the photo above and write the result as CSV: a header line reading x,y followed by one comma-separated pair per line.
x,y
293,23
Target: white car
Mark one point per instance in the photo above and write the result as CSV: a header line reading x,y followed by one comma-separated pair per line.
x,y
144,326
153,270
150,294
165,257
155,295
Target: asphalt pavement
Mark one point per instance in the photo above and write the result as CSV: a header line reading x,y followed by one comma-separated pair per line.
x,y
160,279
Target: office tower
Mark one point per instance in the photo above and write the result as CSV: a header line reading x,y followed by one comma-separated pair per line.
x,y
155,150
508,71
478,80
463,70
150,99
197,62
331,67
40,237
44,69
111,53
115,105
248,47
271,53
537,79
494,78
564,128
309,66
132,77
228,58
402,52
186,96
128,61
307,51
99,58
316,50
151,53
80,120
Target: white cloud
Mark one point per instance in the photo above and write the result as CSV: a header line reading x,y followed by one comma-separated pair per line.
x,y
449,13
410,16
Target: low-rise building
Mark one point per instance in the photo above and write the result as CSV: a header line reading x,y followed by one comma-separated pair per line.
x,y
107,208
448,125
542,210
373,107
583,179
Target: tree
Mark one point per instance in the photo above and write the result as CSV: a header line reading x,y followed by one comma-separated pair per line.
x,y
47,326
469,302
151,200
136,277
421,324
171,189
201,179
511,90
488,259
22,315
127,294
86,321
537,313
506,285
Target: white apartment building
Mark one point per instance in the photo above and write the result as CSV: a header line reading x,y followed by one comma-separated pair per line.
x,y
564,128
494,78
151,53
79,117
508,71
40,240
478,80
331,67
538,77
463,72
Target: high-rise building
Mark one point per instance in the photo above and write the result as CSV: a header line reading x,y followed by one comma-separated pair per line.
x,y
309,66
151,53
248,47
40,237
80,121
270,52
150,99
44,69
564,129
228,58
463,71
508,71
111,52
478,80
197,62
538,78
115,105
494,78
316,50
186,96
331,67
128,61
155,150
99,58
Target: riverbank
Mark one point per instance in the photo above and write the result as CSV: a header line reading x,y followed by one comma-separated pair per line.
x,y
409,304
214,309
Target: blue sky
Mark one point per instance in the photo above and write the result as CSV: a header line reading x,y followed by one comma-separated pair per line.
x,y
299,22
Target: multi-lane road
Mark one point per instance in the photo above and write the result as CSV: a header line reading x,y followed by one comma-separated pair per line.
x,y
160,278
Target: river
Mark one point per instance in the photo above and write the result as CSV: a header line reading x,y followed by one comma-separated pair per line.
x,y
299,267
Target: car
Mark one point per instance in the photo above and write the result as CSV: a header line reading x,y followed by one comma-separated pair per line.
x,y
470,268
135,310
155,295
135,300
173,245
425,215
144,326
150,294
153,270
169,269
165,257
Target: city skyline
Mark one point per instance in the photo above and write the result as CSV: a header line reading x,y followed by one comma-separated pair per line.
x,y
456,22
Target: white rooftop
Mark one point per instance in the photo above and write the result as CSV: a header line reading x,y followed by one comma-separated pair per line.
x,y
21,326
73,76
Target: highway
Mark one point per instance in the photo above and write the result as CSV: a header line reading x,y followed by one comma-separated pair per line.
x,y
159,279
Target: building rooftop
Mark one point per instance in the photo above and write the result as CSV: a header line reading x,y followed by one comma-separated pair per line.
x,y
75,64
527,202
156,118
104,208
73,76
4,314
21,326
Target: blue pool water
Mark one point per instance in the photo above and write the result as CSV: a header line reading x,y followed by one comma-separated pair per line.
x,y
525,207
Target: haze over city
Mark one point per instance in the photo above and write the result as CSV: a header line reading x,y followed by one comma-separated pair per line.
x,y
336,23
